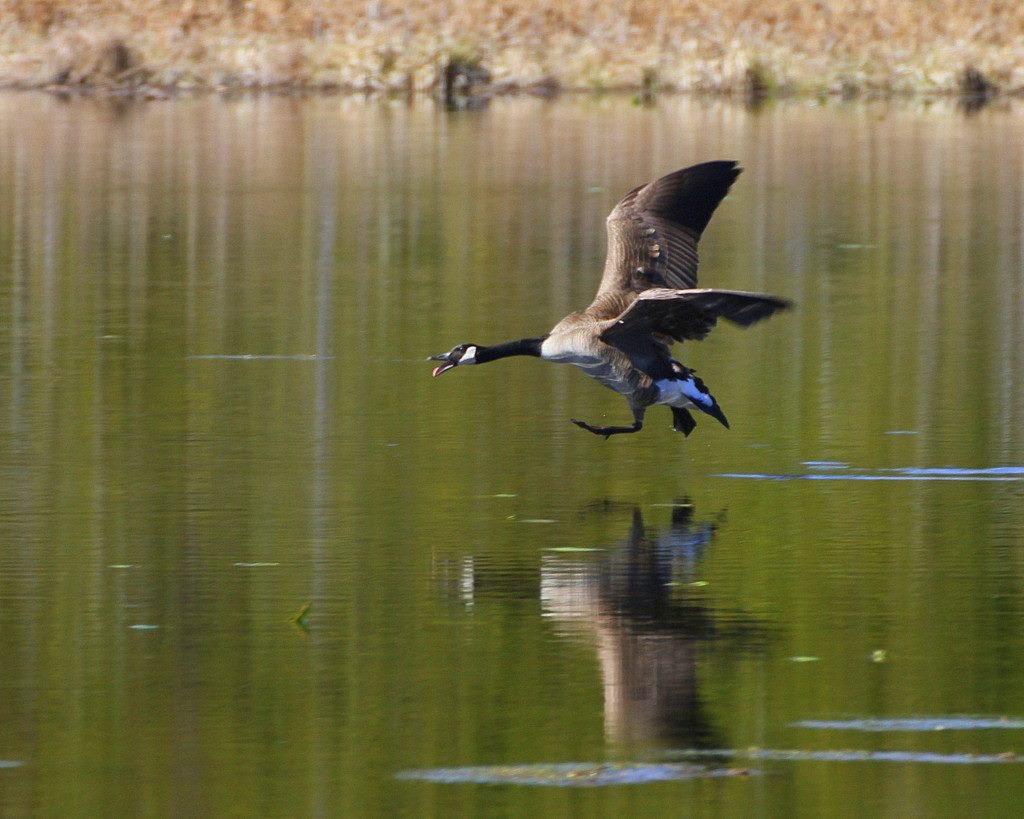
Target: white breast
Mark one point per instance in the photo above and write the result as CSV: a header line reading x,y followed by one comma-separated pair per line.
x,y
610,371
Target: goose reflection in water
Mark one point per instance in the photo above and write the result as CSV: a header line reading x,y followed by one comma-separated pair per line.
x,y
642,607
638,609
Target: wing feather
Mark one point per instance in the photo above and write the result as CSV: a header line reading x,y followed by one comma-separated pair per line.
x,y
654,230
662,314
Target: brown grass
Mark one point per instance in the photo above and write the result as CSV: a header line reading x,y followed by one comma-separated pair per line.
x,y
733,46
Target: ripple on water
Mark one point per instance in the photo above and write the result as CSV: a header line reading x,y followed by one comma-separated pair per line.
x,y
592,775
253,357
799,755
824,466
573,774
953,723
834,471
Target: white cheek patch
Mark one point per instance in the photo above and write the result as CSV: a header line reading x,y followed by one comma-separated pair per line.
x,y
468,357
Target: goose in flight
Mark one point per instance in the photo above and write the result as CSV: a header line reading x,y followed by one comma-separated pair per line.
x,y
648,298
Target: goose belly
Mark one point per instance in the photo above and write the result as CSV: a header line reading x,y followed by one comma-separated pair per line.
x,y
611,376
610,371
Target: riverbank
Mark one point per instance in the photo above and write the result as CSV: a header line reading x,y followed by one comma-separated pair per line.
x,y
750,47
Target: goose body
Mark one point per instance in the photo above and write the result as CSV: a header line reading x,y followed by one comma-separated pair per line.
x,y
647,299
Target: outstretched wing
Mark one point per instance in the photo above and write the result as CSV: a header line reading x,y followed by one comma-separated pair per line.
x,y
660,316
653,232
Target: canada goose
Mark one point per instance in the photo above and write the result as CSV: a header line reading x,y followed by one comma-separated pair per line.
x,y
646,300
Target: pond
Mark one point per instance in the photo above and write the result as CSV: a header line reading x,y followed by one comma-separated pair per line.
x,y
254,560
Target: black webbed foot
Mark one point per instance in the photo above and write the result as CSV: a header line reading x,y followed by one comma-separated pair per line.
x,y
682,421
607,432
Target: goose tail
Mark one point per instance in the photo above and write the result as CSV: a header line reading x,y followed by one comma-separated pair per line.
x,y
687,391
701,397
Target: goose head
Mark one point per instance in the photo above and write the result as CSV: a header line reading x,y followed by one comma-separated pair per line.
x,y
459,354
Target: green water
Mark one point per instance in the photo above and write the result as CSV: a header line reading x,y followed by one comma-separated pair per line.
x,y
215,411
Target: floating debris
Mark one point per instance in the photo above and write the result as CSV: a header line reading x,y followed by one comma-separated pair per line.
x,y
143,627
574,774
537,520
301,617
804,658
11,763
121,566
878,655
951,723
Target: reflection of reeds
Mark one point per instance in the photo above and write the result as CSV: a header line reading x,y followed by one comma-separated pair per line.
x,y
733,46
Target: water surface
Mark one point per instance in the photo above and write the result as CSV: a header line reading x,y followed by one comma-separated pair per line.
x,y
254,560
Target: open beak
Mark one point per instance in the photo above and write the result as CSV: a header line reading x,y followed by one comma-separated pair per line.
x,y
441,368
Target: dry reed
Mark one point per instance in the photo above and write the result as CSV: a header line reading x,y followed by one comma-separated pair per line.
x,y
749,46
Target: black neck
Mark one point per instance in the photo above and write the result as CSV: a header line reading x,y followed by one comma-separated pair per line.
x,y
522,346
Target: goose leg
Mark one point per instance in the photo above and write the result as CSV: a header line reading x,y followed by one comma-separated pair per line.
x,y
607,432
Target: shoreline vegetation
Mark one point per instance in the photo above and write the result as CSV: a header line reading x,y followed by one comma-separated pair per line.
x,y
466,49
